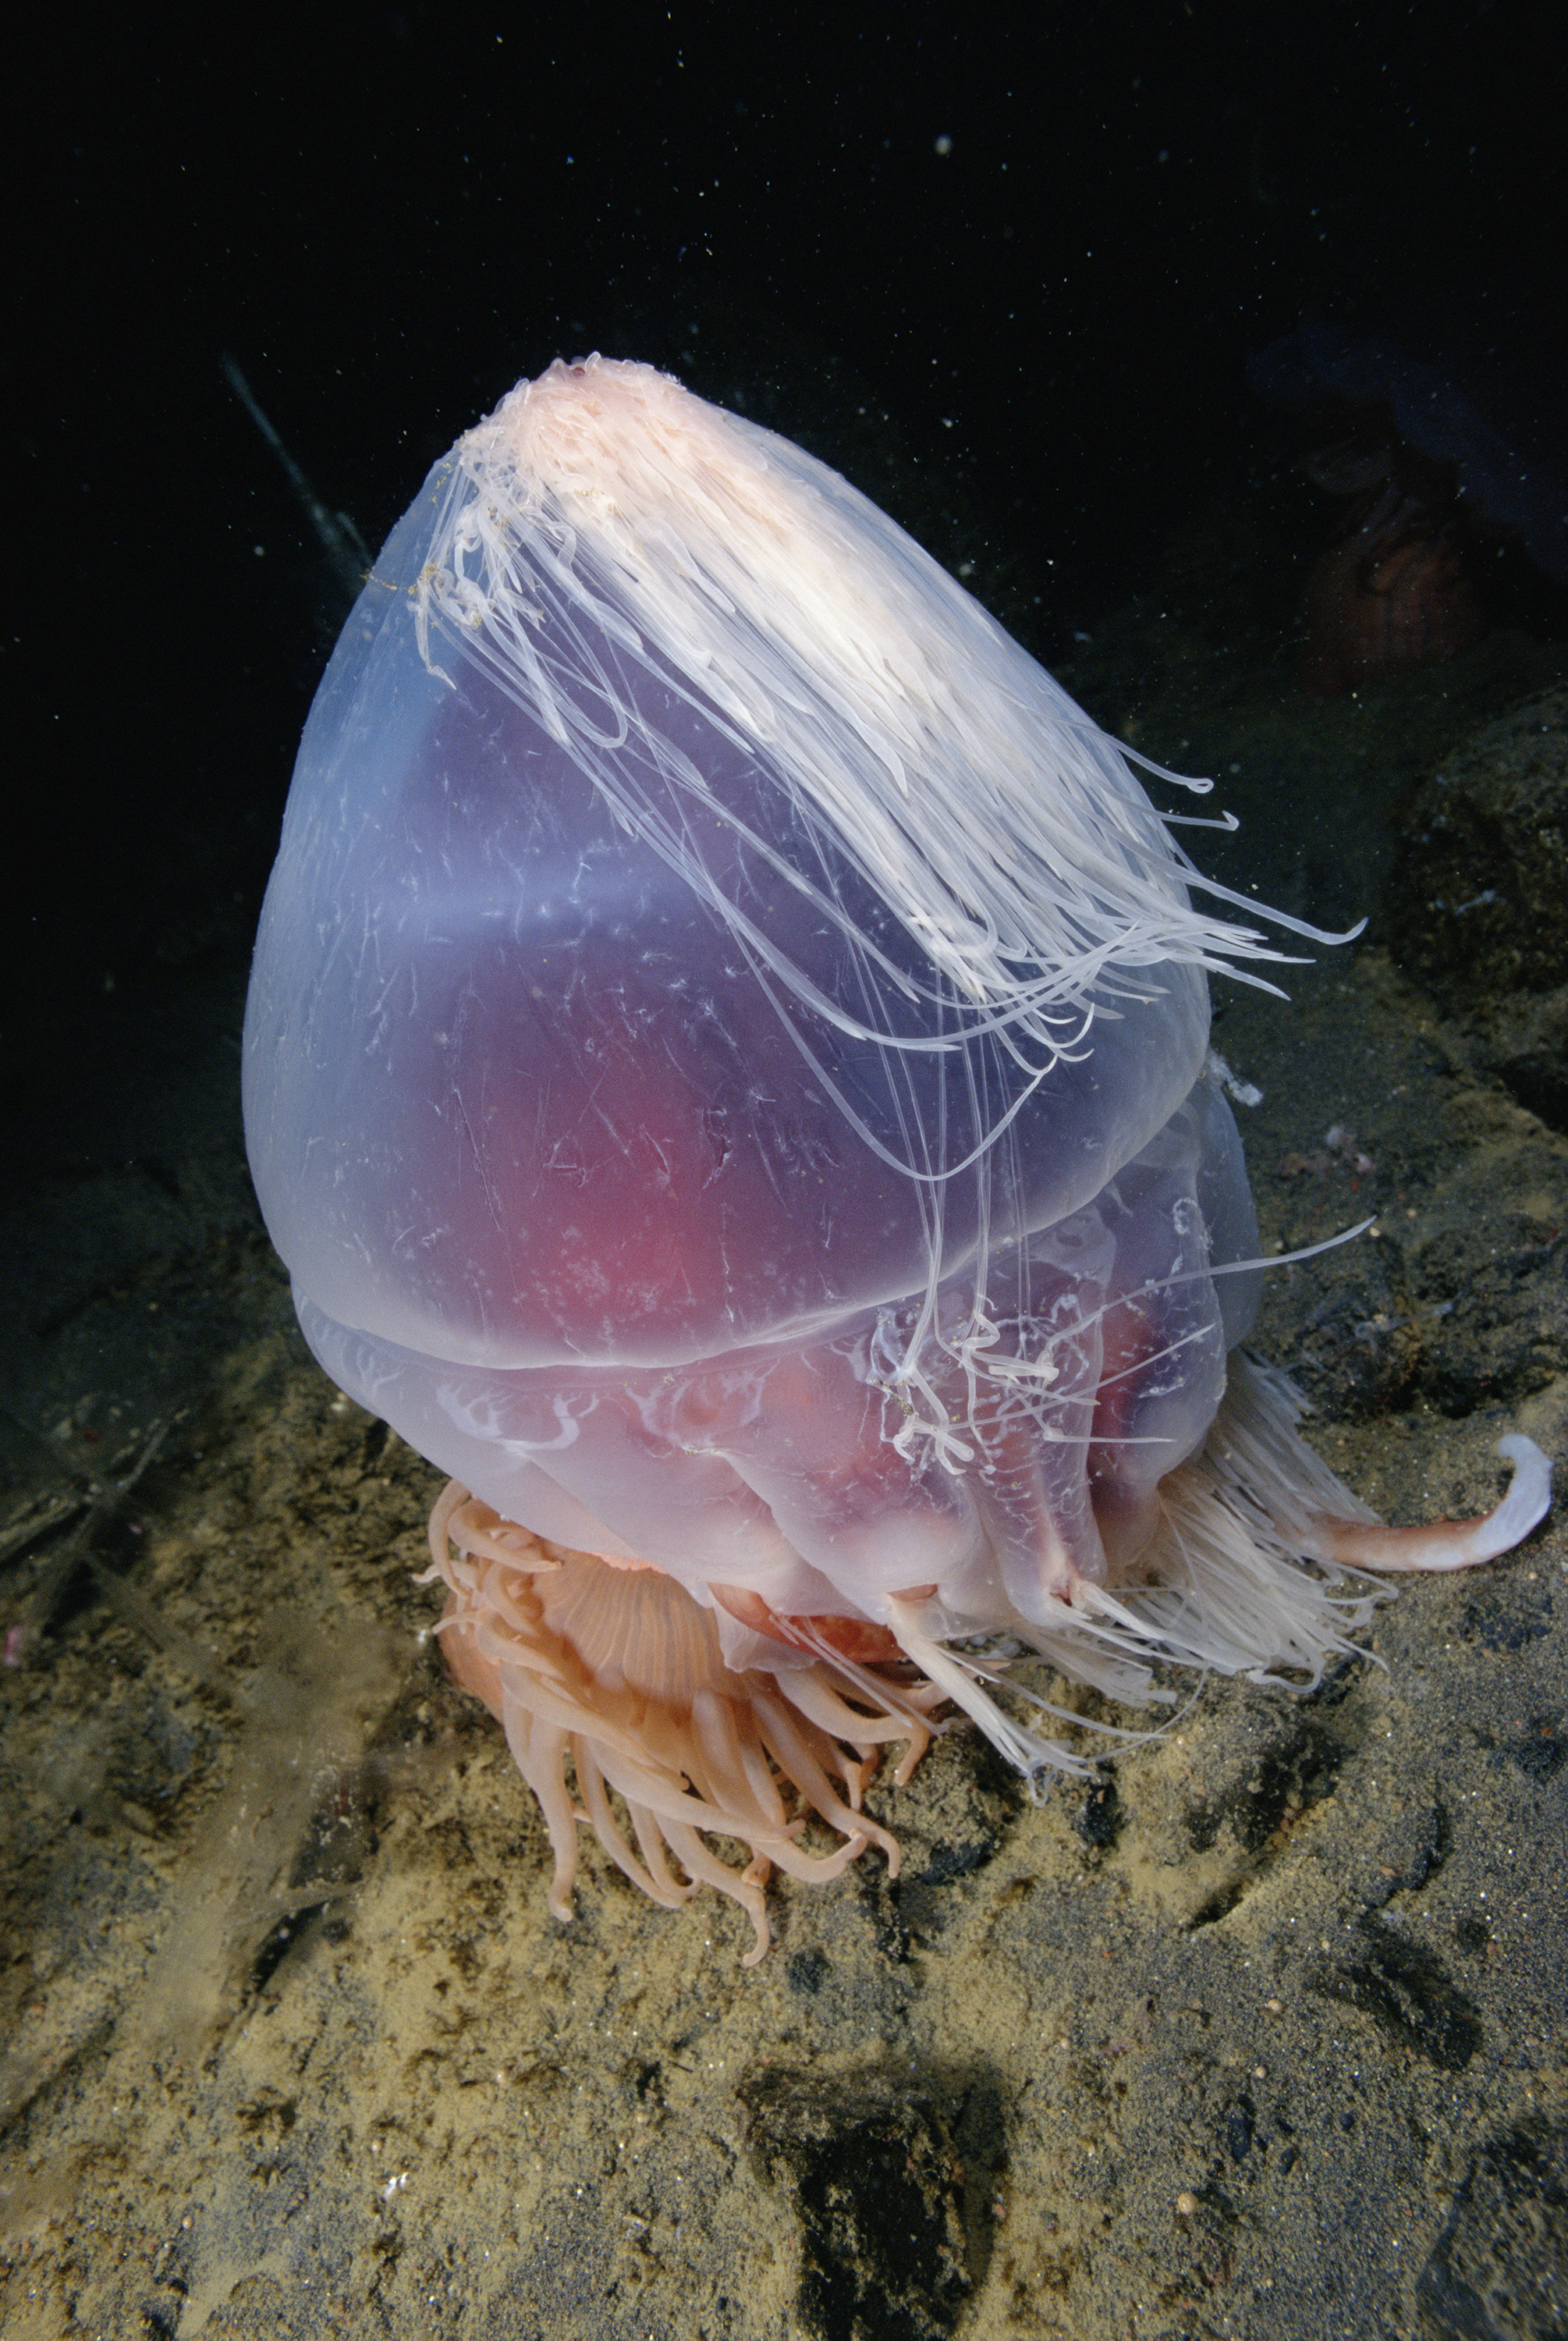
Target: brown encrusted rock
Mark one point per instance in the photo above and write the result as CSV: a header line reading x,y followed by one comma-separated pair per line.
x,y
1478,901
1481,888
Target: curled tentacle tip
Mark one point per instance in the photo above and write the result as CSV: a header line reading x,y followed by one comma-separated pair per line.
x,y
1450,1544
1529,1497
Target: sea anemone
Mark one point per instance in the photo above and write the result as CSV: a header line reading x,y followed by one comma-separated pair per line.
x,y
1442,437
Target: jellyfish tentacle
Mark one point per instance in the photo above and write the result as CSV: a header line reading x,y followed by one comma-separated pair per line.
x,y
1443,1545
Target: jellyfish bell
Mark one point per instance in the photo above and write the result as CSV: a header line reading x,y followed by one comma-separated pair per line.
x,y
725,1066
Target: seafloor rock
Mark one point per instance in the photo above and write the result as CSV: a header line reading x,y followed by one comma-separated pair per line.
x,y
1478,902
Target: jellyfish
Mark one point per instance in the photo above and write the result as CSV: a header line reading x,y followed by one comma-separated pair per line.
x,y
726,1068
